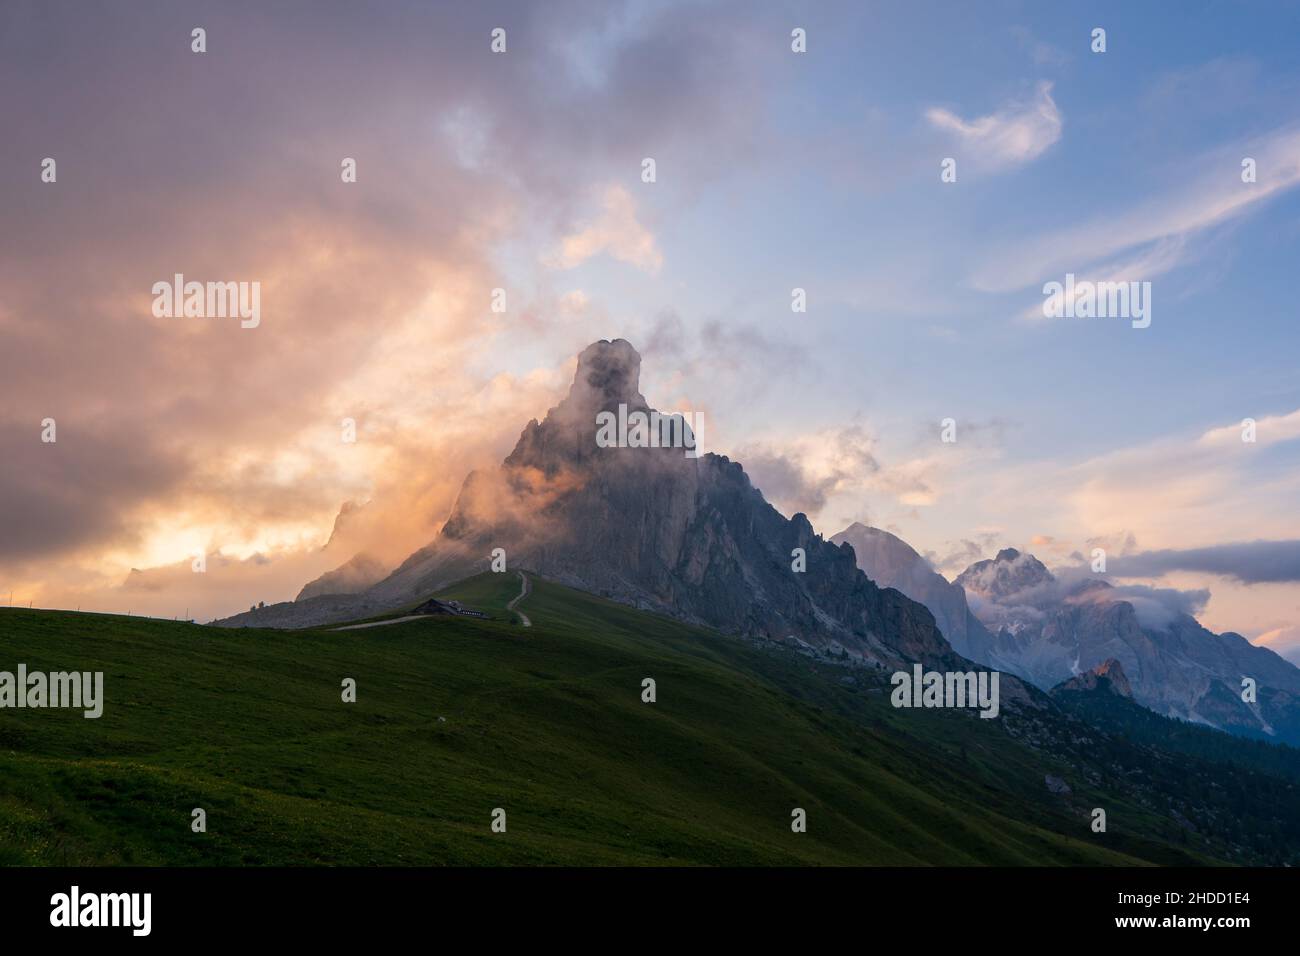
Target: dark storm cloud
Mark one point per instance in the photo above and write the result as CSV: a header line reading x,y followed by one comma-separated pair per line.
x,y
81,488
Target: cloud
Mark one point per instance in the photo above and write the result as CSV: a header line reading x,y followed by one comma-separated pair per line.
x,y
1144,265
784,482
741,345
1180,491
716,353
1153,236
802,477
961,555
615,231
1116,543
1155,608
1014,135
1251,562
48,502
1269,430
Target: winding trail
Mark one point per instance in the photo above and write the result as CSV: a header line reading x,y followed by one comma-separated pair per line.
x,y
391,620
523,593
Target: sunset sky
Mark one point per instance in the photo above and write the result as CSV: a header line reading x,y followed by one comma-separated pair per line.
x,y
522,171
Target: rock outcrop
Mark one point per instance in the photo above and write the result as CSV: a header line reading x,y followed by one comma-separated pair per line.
x,y
1107,678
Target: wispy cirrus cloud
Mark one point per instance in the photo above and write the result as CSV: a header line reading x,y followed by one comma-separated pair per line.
x,y
1156,235
1269,430
1018,133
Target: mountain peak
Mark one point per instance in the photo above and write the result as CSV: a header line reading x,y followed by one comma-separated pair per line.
x,y
609,374
651,527
1011,572
887,553
868,531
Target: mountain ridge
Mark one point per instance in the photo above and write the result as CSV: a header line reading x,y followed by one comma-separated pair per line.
x,y
655,528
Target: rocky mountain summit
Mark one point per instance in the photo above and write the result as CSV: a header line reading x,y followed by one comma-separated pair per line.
x,y
1007,587
653,527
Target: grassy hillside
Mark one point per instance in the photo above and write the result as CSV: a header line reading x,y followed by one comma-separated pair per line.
x,y
546,722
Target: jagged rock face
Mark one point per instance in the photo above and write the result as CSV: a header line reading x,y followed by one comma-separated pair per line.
x,y
1051,631
1106,678
892,563
657,529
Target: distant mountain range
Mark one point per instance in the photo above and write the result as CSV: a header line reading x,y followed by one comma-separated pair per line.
x,y
1049,630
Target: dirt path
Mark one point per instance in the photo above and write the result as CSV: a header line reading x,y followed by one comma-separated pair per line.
x,y
394,620
523,593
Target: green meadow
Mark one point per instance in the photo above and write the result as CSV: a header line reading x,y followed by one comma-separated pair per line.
x,y
456,717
